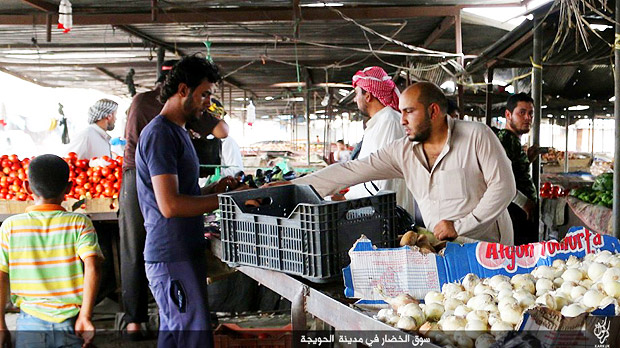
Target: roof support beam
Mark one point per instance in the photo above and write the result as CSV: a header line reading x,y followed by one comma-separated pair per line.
x,y
23,77
48,28
110,74
212,15
296,18
154,10
42,5
511,48
146,37
458,40
616,186
445,24
167,46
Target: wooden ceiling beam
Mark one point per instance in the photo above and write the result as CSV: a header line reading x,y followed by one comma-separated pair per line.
x,y
214,15
110,74
149,38
23,77
42,5
491,63
445,24
171,48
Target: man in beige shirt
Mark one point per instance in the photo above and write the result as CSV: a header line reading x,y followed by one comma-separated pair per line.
x,y
457,170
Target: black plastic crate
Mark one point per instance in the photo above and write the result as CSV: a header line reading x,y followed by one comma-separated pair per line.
x,y
295,231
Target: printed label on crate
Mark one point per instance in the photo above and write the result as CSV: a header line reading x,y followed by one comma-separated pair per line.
x,y
496,256
403,270
390,269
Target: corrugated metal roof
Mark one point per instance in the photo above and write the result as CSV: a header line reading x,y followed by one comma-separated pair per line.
x,y
259,53
571,73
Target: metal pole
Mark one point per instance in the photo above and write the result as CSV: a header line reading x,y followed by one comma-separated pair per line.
x,y
244,106
515,84
616,211
161,53
222,93
537,96
459,50
308,119
552,129
592,136
566,142
48,27
230,101
489,100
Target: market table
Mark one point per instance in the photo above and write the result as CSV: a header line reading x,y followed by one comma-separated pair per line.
x,y
306,297
108,216
560,214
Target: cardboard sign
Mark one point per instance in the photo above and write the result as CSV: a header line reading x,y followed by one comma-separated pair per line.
x,y
405,270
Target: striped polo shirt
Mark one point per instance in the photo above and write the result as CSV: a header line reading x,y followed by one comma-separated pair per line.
x,y
42,251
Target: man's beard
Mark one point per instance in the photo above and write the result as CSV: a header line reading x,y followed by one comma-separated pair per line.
x,y
189,112
110,127
519,131
425,131
363,109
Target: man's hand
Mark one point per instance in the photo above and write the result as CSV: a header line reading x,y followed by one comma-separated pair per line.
x,y
529,208
445,230
532,152
5,337
85,329
225,184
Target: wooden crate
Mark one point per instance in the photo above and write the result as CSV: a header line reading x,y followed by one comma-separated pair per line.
x,y
94,205
14,207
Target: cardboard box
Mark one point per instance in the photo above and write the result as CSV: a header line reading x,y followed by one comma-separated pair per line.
x,y
599,329
13,207
404,270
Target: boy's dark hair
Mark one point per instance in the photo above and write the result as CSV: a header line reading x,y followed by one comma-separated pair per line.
x,y
514,99
341,141
48,176
192,71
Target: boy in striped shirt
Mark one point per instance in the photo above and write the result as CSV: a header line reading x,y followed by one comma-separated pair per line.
x,y
51,259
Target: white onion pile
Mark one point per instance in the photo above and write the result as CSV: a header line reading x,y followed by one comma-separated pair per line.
x,y
476,311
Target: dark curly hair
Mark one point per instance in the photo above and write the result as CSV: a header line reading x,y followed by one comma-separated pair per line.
x,y
514,99
192,71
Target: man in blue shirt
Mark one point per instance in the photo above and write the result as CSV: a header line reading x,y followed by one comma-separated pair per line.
x,y
172,205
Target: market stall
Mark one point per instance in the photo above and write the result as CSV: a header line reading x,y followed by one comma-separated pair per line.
x,y
455,293
589,203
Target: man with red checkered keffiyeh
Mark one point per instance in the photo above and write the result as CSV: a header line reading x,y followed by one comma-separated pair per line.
x,y
376,96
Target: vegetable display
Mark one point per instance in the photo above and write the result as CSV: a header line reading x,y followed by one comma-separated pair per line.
x,y
600,193
476,312
91,178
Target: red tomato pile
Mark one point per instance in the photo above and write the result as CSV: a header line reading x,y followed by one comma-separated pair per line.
x,y
550,191
87,182
94,182
12,178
